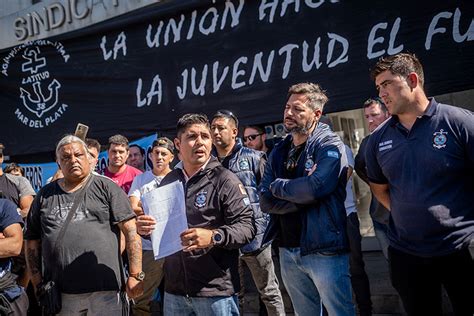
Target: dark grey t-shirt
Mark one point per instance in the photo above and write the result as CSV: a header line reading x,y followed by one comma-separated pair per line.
x,y
88,256
15,187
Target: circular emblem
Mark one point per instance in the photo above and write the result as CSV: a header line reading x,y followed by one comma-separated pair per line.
x,y
308,164
244,164
200,200
440,139
39,102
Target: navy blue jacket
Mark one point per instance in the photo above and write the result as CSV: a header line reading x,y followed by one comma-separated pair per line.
x,y
247,164
319,197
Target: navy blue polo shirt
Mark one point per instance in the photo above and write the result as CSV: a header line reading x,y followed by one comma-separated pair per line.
x,y
8,216
430,172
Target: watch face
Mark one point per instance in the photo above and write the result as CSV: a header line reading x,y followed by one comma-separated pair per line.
x,y
217,237
140,276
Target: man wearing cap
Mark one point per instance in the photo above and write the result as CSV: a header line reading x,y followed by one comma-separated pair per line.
x,y
203,278
248,165
162,154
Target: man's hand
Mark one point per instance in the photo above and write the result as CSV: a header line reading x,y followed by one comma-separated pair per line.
x,y
195,238
134,287
145,224
313,169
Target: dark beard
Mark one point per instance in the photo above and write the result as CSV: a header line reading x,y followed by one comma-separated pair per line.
x,y
300,129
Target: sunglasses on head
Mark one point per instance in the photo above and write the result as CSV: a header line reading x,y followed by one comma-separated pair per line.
x,y
250,138
228,114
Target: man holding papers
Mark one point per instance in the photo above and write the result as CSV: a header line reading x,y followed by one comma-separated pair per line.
x,y
203,278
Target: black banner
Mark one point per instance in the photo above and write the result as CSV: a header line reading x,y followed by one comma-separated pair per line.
x,y
138,73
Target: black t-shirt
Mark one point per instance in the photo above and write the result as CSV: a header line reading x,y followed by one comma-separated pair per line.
x,y
290,224
87,259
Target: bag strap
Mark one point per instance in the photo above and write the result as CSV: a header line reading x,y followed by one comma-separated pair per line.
x,y
77,199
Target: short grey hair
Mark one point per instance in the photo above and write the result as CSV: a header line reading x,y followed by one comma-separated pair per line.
x,y
69,139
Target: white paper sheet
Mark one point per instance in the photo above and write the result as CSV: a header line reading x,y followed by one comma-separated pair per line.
x,y
166,205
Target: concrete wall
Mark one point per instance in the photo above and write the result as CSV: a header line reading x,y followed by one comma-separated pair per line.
x,y
8,7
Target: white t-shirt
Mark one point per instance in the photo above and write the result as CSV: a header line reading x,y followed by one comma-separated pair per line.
x,y
350,203
142,184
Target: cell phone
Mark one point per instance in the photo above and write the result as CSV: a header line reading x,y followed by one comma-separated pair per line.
x,y
81,131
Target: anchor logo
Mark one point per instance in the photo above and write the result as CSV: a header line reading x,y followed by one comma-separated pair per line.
x,y
41,104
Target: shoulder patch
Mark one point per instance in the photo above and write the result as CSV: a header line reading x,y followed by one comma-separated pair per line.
x,y
333,154
242,189
244,164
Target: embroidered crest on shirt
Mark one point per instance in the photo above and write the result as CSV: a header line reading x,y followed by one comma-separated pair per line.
x,y
440,139
244,164
200,200
308,165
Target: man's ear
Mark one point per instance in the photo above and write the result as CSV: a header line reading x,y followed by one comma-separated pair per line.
x,y
235,132
317,114
177,143
413,80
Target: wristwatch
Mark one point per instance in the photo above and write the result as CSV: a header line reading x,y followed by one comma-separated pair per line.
x,y
217,238
140,276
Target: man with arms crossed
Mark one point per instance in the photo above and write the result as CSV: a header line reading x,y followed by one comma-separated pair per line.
x,y
304,188
13,298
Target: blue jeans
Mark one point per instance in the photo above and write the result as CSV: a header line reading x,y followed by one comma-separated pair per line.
x,y
316,278
184,306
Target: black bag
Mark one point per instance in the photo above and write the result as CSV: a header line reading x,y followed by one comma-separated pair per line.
x,y
49,298
49,293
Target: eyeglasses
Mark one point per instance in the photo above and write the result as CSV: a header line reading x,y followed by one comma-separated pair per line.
x,y
228,114
250,138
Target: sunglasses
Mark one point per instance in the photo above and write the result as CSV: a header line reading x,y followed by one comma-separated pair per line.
x,y
228,114
250,138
